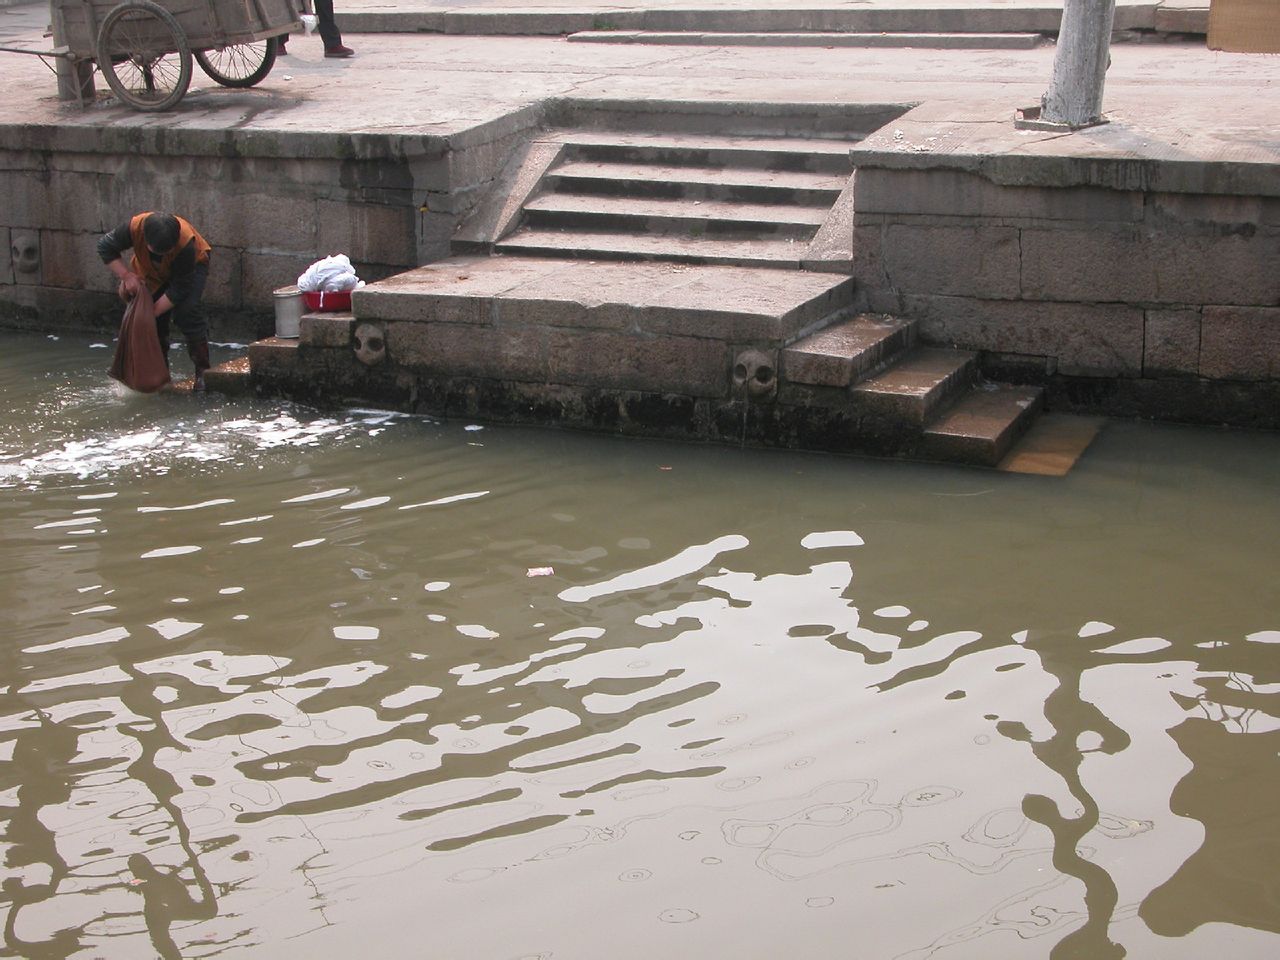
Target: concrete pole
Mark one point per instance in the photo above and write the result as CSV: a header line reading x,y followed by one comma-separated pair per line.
x,y
1080,63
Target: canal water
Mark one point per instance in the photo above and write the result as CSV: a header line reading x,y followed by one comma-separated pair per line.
x,y
280,682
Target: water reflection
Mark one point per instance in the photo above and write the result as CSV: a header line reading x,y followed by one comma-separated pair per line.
x,y
297,690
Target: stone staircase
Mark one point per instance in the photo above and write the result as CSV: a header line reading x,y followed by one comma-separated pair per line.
x,y
684,198
896,386
679,282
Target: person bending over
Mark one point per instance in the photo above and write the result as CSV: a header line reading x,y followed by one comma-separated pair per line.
x,y
172,261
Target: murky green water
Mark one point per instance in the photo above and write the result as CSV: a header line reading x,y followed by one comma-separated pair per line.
x,y
279,683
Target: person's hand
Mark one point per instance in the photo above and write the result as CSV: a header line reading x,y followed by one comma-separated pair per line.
x,y
129,287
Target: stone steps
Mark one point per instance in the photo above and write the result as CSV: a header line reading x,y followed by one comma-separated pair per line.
x,y
713,199
926,399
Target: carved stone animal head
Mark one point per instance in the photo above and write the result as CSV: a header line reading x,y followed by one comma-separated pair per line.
x,y
371,344
756,373
25,250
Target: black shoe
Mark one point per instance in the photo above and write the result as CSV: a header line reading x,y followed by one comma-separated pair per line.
x,y
339,52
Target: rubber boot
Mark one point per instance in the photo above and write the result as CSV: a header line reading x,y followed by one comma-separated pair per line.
x,y
198,351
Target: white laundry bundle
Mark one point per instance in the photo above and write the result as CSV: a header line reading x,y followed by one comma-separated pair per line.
x,y
330,275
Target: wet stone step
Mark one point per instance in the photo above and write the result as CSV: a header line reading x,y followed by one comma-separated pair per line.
x,y
913,389
983,425
783,253
845,352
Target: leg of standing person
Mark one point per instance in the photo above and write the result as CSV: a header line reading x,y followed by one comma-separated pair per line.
x,y
329,33
190,319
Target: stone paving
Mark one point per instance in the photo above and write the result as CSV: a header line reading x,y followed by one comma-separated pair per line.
x,y
1173,100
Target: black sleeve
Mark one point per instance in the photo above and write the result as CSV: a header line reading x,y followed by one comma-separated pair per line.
x,y
182,274
112,245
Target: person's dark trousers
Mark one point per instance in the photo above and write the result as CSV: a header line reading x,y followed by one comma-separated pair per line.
x,y
327,26
190,320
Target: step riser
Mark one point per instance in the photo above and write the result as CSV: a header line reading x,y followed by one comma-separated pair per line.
x,y
682,226
799,161
835,121
582,250
676,190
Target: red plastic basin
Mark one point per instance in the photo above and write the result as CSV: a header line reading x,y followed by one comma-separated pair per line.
x,y
327,301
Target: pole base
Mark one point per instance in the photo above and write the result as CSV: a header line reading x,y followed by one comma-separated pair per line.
x,y
1028,118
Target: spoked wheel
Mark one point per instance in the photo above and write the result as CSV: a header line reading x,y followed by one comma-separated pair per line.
x,y
144,56
242,65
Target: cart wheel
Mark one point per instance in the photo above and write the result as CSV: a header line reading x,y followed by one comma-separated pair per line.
x,y
144,56
242,65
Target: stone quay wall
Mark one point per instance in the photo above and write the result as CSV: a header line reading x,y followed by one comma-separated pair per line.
x,y
1126,295
269,202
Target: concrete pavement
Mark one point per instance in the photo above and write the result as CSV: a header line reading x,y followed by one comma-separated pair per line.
x,y
1169,101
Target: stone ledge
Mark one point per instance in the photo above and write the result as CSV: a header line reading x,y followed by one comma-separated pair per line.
x,y
1142,148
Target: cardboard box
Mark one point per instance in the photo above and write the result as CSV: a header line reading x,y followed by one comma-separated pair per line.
x,y
1244,26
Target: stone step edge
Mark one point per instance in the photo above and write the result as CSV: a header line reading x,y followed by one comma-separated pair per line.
x,y
800,363
721,142
919,41
584,245
982,425
515,20
684,221
918,405
699,175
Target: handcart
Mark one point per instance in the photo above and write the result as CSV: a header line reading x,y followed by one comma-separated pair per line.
x,y
144,48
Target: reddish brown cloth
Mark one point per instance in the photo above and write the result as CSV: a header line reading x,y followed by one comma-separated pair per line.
x,y
139,362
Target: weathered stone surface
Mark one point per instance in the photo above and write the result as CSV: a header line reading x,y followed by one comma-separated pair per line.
x,y
1218,270
955,193
1088,265
257,221
22,199
668,364
1136,265
1172,343
71,260
960,261
1096,340
367,231
1240,343
6,257
409,344
326,330
261,274
1211,213
223,288
471,351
